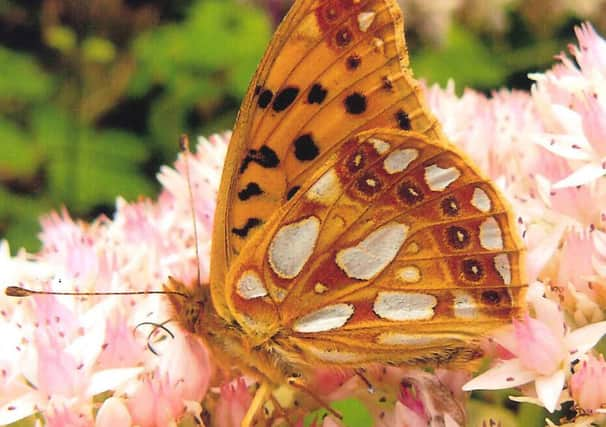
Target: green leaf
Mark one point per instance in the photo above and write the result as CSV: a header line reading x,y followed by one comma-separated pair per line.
x,y
21,214
480,413
20,157
21,78
354,413
220,40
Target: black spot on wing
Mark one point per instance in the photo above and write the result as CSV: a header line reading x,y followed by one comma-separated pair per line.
x,y
491,297
265,98
353,62
450,206
291,193
457,237
285,98
243,231
306,148
403,120
264,156
473,270
317,94
355,103
387,83
252,189
410,193
343,37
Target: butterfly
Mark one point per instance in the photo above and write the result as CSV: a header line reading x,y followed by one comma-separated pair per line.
x,y
345,219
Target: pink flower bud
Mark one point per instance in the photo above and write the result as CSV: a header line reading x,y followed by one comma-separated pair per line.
x,y
588,383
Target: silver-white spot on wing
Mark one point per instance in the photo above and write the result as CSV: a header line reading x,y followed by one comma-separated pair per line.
x,y
502,265
398,338
409,274
250,286
292,246
325,190
404,305
324,319
464,306
365,20
398,160
480,200
438,179
379,145
491,237
369,257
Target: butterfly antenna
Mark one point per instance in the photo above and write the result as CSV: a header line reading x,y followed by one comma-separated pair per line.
x,y
184,146
19,292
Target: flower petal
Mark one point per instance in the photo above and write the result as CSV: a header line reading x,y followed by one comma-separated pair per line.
x,y
584,175
20,408
110,379
113,413
581,340
507,374
549,389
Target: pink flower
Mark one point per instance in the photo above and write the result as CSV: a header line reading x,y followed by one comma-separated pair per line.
x,y
544,350
233,404
538,348
66,417
588,383
409,397
155,402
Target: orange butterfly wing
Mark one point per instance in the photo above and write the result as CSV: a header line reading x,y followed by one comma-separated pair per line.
x,y
334,67
397,244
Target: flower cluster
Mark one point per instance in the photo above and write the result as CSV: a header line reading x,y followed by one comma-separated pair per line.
x,y
108,361
547,152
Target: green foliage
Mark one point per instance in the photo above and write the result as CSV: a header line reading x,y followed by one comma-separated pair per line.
x,y
354,413
463,55
22,80
65,129
199,63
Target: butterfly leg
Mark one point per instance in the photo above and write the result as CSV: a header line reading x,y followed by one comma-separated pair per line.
x,y
257,403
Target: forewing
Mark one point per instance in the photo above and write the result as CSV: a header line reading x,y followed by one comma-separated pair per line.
x,y
333,68
397,243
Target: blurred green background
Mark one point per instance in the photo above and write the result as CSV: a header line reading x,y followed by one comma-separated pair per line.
x,y
94,93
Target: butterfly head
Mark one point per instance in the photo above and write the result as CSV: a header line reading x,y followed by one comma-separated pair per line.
x,y
189,304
